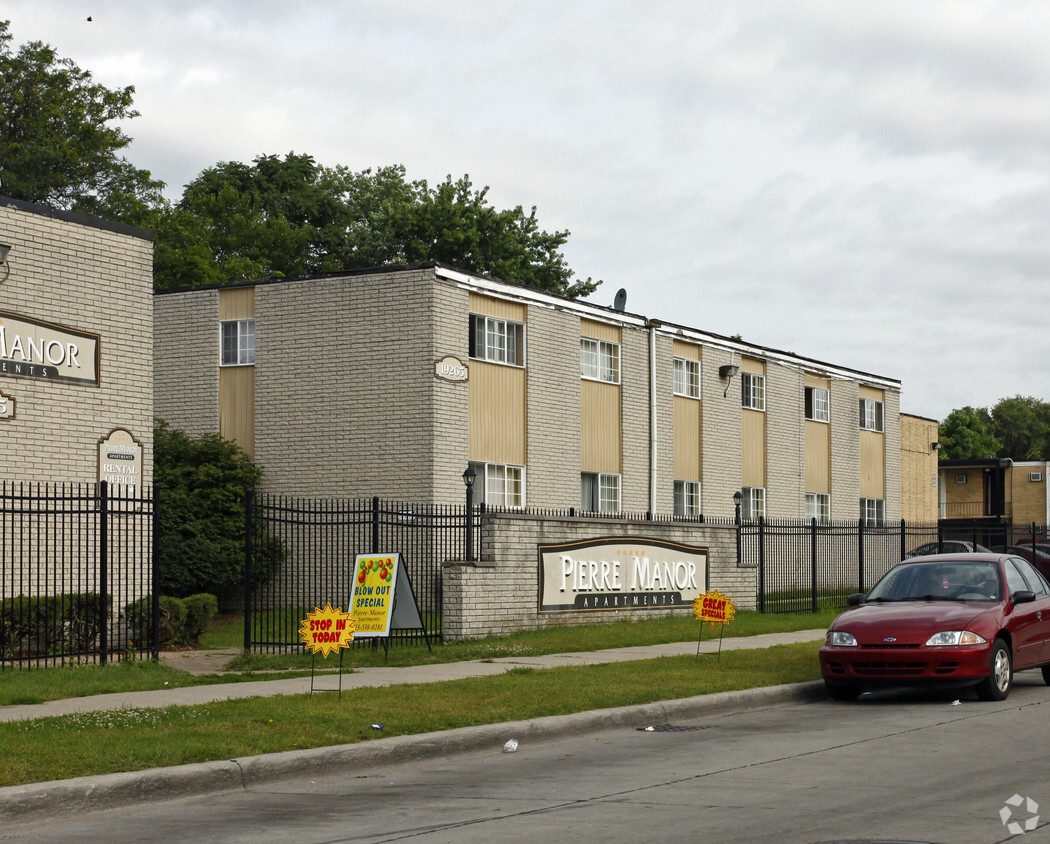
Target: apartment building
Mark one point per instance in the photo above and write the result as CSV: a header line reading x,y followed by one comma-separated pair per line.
x,y
392,381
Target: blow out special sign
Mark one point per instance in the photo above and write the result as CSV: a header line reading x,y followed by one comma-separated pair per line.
x,y
620,574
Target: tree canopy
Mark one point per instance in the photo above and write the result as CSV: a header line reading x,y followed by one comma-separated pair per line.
x,y
291,216
1018,428
57,144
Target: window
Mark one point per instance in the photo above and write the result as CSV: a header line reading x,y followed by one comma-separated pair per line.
x,y
599,492
501,485
818,404
870,415
753,389
238,342
753,502
873,512
818,506
961,479
497,340
600,360
687,498
687,378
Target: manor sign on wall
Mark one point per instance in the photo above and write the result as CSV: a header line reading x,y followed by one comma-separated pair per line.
x,y
620,574
30,348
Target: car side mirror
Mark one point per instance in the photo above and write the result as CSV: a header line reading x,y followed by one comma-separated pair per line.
x,y
1023,596
857,598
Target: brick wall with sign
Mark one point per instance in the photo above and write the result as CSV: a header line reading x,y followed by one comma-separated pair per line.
x,y
500,594
79,274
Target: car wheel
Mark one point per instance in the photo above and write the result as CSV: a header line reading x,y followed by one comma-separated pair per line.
x,y
1046,674
841,691
996,686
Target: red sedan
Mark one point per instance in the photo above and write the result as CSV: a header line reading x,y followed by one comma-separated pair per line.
x,y
949,619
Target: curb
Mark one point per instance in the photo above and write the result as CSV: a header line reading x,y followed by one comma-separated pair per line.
x,y
46,800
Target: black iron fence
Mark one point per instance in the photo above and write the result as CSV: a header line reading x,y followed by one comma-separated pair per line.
x,y
805,566
77,575
318,541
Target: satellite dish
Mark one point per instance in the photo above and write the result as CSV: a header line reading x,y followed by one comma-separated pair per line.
x,y
620,302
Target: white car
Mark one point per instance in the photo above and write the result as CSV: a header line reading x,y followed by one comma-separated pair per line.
x,y
949,546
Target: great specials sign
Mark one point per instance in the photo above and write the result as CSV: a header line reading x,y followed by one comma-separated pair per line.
x,y
30,348
620,574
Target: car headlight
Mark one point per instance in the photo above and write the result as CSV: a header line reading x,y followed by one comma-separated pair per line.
x,y
840,639
954,637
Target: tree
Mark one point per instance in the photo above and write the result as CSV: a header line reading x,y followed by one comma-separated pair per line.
x,y
966,434
57,146
1017,428
291,216
203,483
1022,425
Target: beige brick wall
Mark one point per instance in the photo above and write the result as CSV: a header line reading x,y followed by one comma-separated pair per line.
x,y
186,345
92,276
785,443
721,433
634,419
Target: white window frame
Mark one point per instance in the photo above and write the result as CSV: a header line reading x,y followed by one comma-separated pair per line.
x,y
752,391
818,404
502,484
242,333
871,415
686,377
752,502
873,512
497,340
687,498
599,360
818,506
603,485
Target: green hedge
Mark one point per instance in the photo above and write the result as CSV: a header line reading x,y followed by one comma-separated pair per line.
x,y
46,625
182,620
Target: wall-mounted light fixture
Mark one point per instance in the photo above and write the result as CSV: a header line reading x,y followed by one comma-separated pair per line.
x,y
4,249
728,371
935,446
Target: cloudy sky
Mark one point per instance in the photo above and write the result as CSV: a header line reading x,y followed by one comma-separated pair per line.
x,y
863,183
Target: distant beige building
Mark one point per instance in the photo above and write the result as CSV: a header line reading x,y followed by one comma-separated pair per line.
x,y
995,489
390,382
919,469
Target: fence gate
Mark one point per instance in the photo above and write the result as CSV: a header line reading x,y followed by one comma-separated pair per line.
x,y
300,555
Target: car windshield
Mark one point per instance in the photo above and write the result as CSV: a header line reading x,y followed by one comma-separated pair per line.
x,y
953,580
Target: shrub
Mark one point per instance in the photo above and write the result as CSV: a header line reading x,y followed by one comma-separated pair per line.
x,y
44,625
182,620
200,610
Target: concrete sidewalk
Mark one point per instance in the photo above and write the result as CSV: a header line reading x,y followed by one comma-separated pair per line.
x,y
381,676
48,800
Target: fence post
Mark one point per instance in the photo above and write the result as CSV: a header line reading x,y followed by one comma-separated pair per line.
x,y
155,576
904,539
103,574
375,524
249,500
860,556
813,560
761,564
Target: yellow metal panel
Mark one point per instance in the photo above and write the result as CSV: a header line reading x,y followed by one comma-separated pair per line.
x,y
237,406
872,393
500,308
754,366
818,457
689,351
687,448
497,413
599,331
600,427
872,465
237,303
754,448
820,381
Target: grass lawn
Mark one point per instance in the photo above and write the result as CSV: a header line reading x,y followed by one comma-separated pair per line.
x,y
134,739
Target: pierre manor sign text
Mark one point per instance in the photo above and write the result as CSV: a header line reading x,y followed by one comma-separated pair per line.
x,y
620,574
30,348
